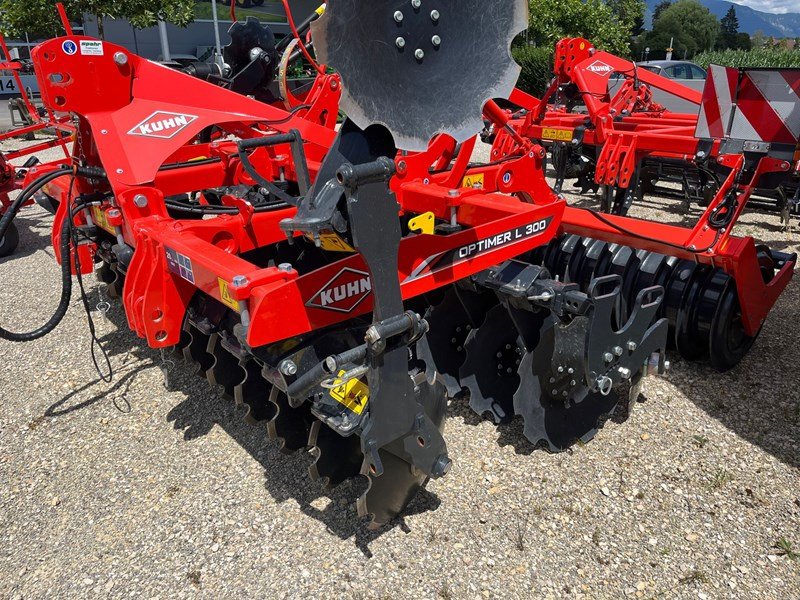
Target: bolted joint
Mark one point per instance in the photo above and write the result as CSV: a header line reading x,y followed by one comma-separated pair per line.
x,y
373,336
239,281
442,466
288,368
121,58
140,200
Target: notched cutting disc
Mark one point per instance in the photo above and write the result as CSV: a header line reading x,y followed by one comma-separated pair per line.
x,y
421,67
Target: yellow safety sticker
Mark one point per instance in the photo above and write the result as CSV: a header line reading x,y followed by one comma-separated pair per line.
x,y
333,243
424,223
557,135
473,181
353,394
225,295
321,10
101,220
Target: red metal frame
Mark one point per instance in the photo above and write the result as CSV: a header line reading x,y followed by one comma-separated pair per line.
x,y
504,209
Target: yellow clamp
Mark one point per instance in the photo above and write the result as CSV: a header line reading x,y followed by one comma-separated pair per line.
x,y
423,223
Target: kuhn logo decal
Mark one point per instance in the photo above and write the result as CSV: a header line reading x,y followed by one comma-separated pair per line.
x,y
163,125
344,292
600,68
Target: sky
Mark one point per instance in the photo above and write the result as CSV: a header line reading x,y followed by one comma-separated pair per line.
x,y
773,6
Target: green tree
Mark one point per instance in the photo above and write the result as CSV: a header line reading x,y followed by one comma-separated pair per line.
x,y
660,8
630,14
39,17
729,30
691,26
552,20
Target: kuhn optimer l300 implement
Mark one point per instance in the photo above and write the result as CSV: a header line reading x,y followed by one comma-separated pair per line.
x,y
341,284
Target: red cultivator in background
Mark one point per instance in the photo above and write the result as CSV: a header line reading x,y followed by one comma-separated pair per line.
x,y
11,177
340,284
624,143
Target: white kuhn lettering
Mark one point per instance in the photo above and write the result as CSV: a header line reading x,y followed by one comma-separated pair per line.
x,y
344,291
600,68
162,125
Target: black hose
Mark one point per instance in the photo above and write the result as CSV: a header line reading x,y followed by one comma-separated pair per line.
x,y
66,257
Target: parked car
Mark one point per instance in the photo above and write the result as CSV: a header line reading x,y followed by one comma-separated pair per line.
x,y
675,69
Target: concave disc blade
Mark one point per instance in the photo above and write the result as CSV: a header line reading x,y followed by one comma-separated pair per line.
x,y
421,71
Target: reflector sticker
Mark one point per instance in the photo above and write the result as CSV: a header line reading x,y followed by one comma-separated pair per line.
x,y
474,181
225,295
344,292
557,135
180,265
353,394
163,125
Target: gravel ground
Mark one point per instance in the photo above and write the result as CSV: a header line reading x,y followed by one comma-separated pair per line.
x,y
132,489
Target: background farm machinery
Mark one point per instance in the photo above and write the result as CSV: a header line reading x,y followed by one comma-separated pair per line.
x,y
600,122
341,285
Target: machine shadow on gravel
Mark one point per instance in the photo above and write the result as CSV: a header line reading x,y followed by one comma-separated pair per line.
x,y
34,235
285,476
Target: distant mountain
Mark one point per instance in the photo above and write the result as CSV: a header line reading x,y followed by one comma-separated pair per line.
x,y
750,20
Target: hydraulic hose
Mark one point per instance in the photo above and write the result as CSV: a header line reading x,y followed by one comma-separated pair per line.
x,y
66,263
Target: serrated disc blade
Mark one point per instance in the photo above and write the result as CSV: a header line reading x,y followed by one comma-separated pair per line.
x,y
253,393
450,322
290,426
196,350
224,370
421,71
554,423
489,371
337,458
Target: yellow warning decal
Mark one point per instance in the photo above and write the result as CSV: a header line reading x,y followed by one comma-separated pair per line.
x,y
557,135
333,243
353,394
321,10
101,220
424,223
225,295
473,181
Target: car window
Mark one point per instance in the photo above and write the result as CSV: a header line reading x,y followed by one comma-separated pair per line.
x,y
678,72
697,72
653,68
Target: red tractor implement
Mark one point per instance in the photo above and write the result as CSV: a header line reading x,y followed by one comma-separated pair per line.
x,y
11,176
599,119
342,284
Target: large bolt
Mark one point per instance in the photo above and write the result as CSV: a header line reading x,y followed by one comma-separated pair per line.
x,y
416,3
400,42
436,41
287,367
618,350
420,54
625,373
285,267
398,16
632,346
442,466
140,200
608,357
239,281
434,15
330,364
120,58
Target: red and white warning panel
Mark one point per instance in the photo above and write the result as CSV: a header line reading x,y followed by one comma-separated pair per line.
x,y
760,105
